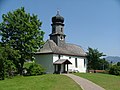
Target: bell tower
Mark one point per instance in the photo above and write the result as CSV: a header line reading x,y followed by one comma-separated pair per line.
x,y
57,34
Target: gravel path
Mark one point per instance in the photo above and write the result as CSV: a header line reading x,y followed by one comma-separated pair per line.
x,y
84,83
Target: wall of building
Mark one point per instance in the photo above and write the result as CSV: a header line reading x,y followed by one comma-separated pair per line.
x,y
46,60
81,63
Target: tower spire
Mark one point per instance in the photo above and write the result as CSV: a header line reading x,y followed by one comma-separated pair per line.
x,y
57,34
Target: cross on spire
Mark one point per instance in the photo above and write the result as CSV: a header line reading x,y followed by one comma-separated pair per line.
x,y
58,12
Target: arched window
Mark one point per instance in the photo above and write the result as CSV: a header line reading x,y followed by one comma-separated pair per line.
x,y
76,65
61,29
84,62
59,56
61,37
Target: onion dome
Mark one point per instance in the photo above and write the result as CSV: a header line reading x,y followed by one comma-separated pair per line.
x,y
57,18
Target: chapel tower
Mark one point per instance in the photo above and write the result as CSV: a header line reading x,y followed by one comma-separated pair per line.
x,y
57,34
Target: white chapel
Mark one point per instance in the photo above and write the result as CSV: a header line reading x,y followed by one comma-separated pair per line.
x,y
57,56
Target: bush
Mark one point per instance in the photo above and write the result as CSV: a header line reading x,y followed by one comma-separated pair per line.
x,y
35,69
118,63
27,65
114,70
10,69
7,69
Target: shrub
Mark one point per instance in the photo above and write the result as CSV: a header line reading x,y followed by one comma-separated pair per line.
x,y
118,63
35,69
8,70
114,70
27,64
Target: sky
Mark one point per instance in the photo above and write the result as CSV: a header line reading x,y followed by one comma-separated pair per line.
x,y
88,23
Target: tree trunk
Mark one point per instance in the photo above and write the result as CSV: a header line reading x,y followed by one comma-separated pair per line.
x,y
20,68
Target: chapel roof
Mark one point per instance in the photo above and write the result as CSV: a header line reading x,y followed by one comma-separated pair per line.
x,y
66,49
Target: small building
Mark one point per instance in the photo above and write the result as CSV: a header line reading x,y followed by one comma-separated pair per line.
x,y
57,56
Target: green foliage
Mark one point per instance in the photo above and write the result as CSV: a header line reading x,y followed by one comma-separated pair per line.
x,y
93,56
118,63
21,31
2,71
10,69
35,69
103,64
7,67
114,70
27,64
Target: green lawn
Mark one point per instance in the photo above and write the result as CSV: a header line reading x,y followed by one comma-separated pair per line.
x,y
43,82
109,82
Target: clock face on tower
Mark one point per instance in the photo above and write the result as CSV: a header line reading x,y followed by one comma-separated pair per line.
x,y
61,38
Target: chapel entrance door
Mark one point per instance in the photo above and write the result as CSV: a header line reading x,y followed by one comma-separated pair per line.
x,y
64,71
59,68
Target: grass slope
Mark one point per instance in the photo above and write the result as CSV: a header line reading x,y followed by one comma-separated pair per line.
x,y
43,82
109,82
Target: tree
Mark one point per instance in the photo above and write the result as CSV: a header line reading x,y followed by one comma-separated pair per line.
x,y
21,31
93,56
6,61
103,64
114,70
2,59
118,63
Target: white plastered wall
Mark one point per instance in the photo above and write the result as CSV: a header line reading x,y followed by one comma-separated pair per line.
x,y
81,63
47,60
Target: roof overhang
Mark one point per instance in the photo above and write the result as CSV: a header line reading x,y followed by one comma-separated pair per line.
x,y
39,53
62,61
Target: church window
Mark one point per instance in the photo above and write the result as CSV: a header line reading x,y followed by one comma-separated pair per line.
x,y
84,62
59,56
61,29
61,38
76,63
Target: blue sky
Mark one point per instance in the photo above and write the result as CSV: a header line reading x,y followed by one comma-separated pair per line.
x,y
88,23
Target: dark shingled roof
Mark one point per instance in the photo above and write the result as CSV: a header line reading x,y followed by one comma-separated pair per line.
x,y
66,49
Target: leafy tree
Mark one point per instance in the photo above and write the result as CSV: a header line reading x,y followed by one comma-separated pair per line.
x,y
114,70
2,60
21,31
7,66
93,56
103,64
118,63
